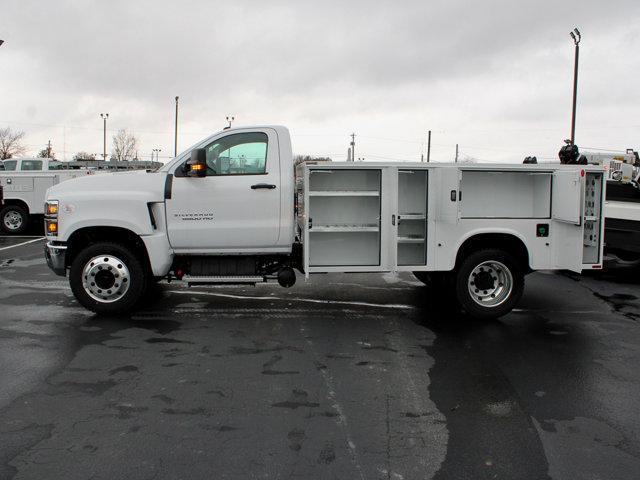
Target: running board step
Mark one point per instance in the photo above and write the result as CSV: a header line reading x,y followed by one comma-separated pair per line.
x,y
192,280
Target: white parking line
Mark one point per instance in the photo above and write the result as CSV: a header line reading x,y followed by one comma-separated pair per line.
x,y
21,236
23,243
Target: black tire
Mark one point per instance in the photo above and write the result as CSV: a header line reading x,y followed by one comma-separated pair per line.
x,y
13,215
135,276
502,278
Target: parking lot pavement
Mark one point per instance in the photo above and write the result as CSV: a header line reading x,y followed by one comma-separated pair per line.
x,y
345,376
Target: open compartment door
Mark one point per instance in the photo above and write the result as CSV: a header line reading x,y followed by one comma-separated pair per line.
x,y
566,213
567,198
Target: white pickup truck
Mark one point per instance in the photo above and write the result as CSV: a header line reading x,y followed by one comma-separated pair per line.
x,y
232,210
24,182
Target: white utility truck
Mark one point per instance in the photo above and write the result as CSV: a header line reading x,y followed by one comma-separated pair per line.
x,y
231,210
25,182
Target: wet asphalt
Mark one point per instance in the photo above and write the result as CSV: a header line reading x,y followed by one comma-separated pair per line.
x,y
340,377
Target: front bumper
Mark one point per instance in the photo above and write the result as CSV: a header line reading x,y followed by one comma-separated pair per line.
x,y
55,255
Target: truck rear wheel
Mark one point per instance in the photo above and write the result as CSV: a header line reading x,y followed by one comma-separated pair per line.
x,y
489,283
13,219
107,278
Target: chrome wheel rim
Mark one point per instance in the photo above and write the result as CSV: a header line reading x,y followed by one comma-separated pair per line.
x,y
106,278
490,283
12,220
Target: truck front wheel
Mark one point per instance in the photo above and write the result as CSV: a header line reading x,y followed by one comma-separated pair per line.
x,y
13,219
107,278
489,283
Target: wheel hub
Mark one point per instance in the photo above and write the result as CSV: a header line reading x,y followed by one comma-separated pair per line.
x,y
490,283
12,220
106,278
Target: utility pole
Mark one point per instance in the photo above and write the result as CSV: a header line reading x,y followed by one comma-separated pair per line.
x,y
456,153
353,147
49,149
175,138
429,147
575,35
155,151
230,120
104,117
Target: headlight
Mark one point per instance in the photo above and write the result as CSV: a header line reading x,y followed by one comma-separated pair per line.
x,y
51,218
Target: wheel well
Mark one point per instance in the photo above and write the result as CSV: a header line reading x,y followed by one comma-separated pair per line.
x,y
83,237
501,241
18,203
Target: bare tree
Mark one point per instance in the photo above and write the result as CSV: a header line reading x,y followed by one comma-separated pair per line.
x,y
124,147
83,156
10,143
47,152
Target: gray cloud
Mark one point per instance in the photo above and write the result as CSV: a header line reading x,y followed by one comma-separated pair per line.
x,y
460,67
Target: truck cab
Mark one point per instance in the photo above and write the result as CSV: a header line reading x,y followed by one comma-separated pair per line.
x,y
30,164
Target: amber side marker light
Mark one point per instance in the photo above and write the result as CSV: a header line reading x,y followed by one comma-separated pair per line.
x,y
52,226
52,208
197,166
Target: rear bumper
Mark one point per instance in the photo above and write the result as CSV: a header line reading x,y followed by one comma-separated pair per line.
x,y
55,255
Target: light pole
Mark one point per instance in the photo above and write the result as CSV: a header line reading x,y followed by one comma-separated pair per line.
x,y
175,139
230,120
575,35
104,117
353,147
157,152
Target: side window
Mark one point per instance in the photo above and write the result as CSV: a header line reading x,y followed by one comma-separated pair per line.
x,y
10,164
238,154
55,166
31,165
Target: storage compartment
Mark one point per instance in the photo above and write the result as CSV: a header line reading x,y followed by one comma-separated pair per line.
x,y
504,194
592,218
332,249
344,181
412,217
344,217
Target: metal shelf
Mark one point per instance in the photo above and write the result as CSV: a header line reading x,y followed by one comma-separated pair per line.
x,y
412,216
410,239
345,193
344,228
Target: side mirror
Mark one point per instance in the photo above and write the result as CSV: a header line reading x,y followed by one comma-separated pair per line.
x,y
196,166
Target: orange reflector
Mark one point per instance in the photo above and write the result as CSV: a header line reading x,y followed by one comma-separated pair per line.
x,y
52,209
596,266
52,227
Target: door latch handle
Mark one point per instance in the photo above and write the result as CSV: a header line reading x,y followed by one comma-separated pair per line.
x,y
268,186
393,219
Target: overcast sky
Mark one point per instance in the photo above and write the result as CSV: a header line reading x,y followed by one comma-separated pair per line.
x,y
495,77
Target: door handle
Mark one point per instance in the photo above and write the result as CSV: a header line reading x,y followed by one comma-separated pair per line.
x,y
268,186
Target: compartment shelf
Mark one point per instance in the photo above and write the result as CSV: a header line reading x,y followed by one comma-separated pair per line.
x,y
410,239
344,228
344,193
